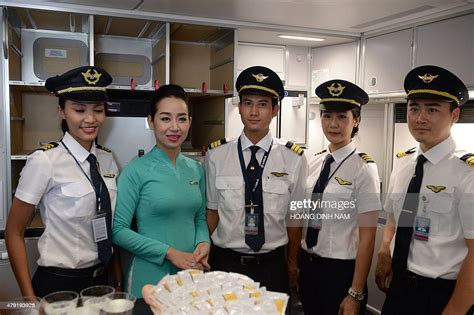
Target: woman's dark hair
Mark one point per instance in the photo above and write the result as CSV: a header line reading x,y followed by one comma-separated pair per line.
x,y
169,90
62,103
355,112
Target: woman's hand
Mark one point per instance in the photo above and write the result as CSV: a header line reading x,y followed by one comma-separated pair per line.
x,y
349,306
148,293
201,254
182,260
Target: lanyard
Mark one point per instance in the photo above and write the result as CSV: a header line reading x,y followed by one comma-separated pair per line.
x,y
90,180
332,174
259,171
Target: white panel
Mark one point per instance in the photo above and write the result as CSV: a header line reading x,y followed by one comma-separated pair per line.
x,y
272,57
132,131
333,62
449,44
297,67
233,123
315,134
370,136
387,61
293,120
3,129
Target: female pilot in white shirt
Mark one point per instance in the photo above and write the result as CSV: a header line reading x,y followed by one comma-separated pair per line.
x,y
73,183
344,187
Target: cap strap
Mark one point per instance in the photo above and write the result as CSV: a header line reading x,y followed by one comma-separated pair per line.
x,y
435,92
258,87
81,88
335,99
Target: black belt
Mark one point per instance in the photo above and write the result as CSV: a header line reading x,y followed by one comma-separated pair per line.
x,y
414,280
90,272
251,259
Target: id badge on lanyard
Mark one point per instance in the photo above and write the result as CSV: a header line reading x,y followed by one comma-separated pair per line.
x,y
99,227
422,223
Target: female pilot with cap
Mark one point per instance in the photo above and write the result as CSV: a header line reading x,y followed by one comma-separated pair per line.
x,y
73,184
343,185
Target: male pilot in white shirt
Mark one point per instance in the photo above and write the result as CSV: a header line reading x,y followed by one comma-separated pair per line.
x,y
429,203
253,179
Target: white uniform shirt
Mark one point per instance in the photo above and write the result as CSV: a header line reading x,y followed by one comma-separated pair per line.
x,y
448,205
67,201
353,188
226,191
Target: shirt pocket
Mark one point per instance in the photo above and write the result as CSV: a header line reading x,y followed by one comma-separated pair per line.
x,y
342,197
231,194
440,211
276,197
78,200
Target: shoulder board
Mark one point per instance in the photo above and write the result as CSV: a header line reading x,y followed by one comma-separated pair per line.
x,y
294,147
468,158
98,146
217,143
405,153
321,152
48,146
366,158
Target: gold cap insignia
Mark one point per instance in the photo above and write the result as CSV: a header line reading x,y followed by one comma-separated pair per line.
x,y
259,77
436,189
427,78
91,78
336,90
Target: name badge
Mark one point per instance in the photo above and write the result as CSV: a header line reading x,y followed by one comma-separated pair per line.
x,y
99,227
251,223
422,228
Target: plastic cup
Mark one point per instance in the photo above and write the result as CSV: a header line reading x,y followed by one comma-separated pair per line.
x,y
121,303
60,302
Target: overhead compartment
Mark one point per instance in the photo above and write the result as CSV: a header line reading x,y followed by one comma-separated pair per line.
x,y
133,51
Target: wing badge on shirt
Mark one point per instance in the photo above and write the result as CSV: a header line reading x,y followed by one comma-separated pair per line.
x,y
435,189
193,182
341,181
279,174
110,175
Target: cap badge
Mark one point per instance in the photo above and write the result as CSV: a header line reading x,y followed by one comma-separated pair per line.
x,y
336,90
259,77
91,78
427,78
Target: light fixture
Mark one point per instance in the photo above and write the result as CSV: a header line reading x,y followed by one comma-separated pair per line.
x,y
314,39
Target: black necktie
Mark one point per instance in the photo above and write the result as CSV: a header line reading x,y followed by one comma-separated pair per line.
x,y
104,247
312,233
406,219
255,242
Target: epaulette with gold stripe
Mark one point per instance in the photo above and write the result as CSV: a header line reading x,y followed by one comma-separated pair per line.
x,y
48,146
366,158
468,158
98,146
294,147
321,152
405,153
217,143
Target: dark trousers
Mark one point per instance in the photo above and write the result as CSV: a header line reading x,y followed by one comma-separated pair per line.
x,y
413,294
48,280
323,284
270,269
